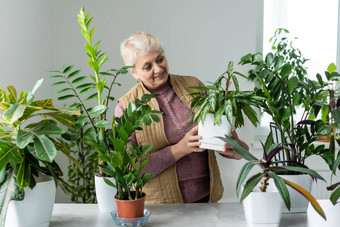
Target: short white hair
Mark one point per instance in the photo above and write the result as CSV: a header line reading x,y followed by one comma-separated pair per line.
x,y
140,41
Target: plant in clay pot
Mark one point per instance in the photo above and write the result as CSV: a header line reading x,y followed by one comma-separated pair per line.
x,y
127,160
28,150
271,168
216,106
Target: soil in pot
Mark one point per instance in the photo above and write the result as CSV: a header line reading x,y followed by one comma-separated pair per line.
x,y
131,208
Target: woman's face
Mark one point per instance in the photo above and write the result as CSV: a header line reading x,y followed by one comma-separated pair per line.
x,y
151,68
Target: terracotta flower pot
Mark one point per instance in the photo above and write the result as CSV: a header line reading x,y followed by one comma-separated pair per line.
x,y
131,208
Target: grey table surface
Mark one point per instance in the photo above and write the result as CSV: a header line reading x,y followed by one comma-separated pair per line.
x,y
193,214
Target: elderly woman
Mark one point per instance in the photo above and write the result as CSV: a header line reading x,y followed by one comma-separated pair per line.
x,y
183,172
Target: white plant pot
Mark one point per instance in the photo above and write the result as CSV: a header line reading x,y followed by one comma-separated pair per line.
x,y
298,202
263,209
36,207
209,131
332,214
105,194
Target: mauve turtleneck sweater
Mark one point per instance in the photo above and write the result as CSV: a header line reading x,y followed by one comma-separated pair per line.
x,y
193,169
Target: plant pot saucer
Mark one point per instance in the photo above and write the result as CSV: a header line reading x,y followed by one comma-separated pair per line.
x,y
131,221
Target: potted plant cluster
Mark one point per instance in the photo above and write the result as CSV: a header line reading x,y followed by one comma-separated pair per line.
x,y
330,115
27,153
283,81
218,109
94,121
127,160
264,206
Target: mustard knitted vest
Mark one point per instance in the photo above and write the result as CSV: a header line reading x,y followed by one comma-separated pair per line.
x,y
164,188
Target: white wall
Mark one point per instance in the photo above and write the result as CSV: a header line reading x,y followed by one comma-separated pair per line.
x,y
200,38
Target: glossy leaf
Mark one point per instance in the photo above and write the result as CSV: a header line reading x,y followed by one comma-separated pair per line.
x,y
14,112
44,148
243,174
239,149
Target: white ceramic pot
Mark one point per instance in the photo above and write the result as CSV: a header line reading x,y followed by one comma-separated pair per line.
x,y
298,202
263,209
36,208
332,214
105,194
209,131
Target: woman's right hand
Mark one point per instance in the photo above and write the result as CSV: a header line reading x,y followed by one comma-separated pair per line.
x,y
190,143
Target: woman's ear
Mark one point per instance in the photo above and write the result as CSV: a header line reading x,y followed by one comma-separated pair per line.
x,y
133,72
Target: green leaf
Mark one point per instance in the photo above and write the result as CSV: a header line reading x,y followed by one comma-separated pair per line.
x,y
292,84
58,83
9,190
281,187
79,79
250,185
237,87
90,97
23,174
331,68
239,149
68,68
64,119
286,70
228,109
73,74
335,195
99,109
14,112
44,148
243,174
63,91
102,124
8,153
65,97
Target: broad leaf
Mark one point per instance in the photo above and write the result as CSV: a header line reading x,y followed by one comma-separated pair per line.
x,y
8,153
14,112
44,148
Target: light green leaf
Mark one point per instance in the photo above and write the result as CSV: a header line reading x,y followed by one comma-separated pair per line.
x,y
44,148
14,112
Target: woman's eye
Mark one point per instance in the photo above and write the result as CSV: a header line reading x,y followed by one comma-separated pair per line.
x,y
147,67
160,59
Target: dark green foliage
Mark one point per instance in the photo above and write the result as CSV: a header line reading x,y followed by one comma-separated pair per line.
x,y
127,160
220,101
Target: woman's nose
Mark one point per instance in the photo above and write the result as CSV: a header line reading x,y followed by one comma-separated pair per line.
x,y
158,69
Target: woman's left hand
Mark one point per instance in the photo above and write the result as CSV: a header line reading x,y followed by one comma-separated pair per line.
x,y
229,151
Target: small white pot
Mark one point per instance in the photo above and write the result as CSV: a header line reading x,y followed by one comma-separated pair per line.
x,y
36,208
263,209
332,214
298,202
209,131
105,194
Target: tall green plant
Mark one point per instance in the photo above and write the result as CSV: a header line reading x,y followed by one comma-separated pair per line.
x,y
94,121
283,81
27,144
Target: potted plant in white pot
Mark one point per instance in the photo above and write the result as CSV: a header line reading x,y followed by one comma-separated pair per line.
x,y
283,80
218,110
262,206
93,121
127,160
27,152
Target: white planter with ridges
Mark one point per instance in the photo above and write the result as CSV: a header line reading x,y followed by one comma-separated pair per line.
x,y
209,131
36,208
105,194
263,209
332,213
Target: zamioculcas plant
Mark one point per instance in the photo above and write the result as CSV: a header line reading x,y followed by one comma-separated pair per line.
x,y
271,168
127,160
27,146
219,100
